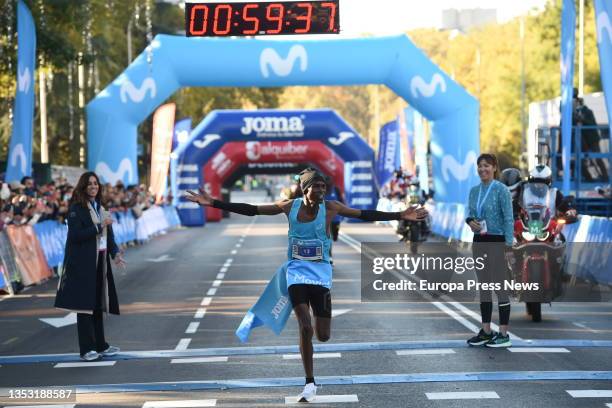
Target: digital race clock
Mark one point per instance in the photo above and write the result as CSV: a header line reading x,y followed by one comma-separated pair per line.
x,y
261,18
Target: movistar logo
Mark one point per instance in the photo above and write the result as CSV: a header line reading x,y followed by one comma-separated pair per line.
x,y
272,124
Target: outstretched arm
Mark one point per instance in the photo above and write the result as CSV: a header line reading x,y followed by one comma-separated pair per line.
x,y
203,198
410,214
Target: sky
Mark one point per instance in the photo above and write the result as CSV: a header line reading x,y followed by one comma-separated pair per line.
x,y
381,17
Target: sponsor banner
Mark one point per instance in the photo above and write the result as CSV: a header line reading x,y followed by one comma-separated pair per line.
x,y
180,136
420,150
568,45
29,256
8,258
406,120
19,163
273,126
52,237
388,159
603,17
394,273
163,125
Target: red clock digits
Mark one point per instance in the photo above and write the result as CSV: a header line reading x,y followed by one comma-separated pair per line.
x,y
279,19
332,14
307,18
228,23
247,18
194,10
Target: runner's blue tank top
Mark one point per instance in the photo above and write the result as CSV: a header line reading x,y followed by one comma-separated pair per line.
x,y
308,251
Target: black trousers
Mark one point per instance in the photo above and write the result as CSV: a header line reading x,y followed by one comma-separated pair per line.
x,y
90,327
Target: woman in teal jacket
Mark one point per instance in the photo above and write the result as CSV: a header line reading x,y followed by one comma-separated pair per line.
x,y
490,218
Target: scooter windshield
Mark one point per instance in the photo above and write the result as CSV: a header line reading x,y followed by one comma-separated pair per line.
x,y
537,201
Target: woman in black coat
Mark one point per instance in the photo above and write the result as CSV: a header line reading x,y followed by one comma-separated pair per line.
x,y
86,285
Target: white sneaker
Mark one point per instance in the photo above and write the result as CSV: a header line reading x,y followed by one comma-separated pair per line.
x,y
91,356
309,393
110,351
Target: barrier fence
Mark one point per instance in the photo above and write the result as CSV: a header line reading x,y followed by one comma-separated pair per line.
x,y
28,253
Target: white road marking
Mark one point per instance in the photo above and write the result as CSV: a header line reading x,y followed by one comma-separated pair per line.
x,y
206,301
538,350
180,404
193,327
216,283
211,292
200,313
297,356
199,360
182,345
233,252
228,262
238,245
456,316
220,276
41,406
57,322
590,393
325,399
462,395
340,312
85,364
424,352
223,270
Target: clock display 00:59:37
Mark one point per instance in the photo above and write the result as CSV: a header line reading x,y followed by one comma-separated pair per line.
x,y
261,18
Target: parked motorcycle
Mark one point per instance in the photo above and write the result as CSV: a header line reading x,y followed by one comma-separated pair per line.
x,y
539,248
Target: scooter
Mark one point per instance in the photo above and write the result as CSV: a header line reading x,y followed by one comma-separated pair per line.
x,y
539,248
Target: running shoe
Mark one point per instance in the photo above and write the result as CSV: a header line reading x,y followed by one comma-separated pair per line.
x,y
309,393
110,351
91,356
499,341
481,338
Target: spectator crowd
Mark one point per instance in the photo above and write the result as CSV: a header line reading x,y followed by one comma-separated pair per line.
x,y
23,202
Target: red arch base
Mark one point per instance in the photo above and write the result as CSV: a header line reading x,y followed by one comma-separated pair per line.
x,y
234,154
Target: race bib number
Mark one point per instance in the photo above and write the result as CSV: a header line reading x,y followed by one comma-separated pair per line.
x,y
307,250
102,245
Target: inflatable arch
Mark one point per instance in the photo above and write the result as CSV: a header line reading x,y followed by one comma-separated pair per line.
x,y
227,139
114,114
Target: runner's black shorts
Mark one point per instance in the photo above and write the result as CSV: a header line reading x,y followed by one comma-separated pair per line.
x,y
316,296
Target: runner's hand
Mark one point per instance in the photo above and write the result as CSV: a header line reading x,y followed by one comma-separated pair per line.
x,y
203,198
414,214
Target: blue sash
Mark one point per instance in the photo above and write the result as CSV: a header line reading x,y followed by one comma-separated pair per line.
x,y
272,309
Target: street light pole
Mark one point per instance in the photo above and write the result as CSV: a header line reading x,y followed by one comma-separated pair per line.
x,y
581,51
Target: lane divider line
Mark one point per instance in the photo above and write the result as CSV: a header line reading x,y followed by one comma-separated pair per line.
x,y
590,393
462,395
192,328
182,344
199,360
324,399
297,356
424,352
319,348
539,350
85,364
211,292
181,404
206,301
416,378
200,313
